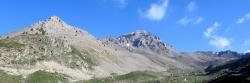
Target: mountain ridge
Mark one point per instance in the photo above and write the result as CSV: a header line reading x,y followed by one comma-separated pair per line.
x,y
54,46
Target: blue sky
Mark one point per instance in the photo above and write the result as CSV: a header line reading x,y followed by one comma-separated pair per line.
x,y
188,25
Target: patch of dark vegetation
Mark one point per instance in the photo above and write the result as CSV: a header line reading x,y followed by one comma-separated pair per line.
x,y
10,44
237,71
151,77
46,77
42,30
231,79
133,77
2,43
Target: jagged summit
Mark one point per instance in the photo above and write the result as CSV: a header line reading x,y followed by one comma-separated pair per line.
x,y
141,34
141,39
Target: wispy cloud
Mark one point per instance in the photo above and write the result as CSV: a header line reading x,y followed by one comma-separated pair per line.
x,y
198,20
156,12
243,19
208,33
186,20
191,7
215,40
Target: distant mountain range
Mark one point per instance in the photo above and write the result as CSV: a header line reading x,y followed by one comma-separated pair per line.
x,y
53,51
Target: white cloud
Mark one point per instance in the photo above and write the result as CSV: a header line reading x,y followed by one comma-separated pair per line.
x,y
215,40
157,11
185,20
243,19
220,42
208,33
191,7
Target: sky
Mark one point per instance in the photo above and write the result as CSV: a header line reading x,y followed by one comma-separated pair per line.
x,y
187,25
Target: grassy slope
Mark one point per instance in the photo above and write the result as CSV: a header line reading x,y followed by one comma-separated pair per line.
x,y
37,77
133,77
10,44
45,77
130,77
150,77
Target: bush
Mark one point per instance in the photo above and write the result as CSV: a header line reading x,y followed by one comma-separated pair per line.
x,y
42,30
46,77
2,43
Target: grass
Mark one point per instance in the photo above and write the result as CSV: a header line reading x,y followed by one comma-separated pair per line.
x,y
45,77
184,79
137,76
6,78
133,77
2,43
10,44
248,78
37,77
150,77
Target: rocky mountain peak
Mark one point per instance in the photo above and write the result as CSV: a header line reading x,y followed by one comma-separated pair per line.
x,y
142,35
141,39
54,27
54,18
54,21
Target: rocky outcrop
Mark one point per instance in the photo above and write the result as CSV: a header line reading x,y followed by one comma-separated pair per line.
x,y
141,39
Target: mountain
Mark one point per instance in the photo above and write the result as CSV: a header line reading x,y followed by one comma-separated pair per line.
x,y
232,71
151,46
53,48
142,39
